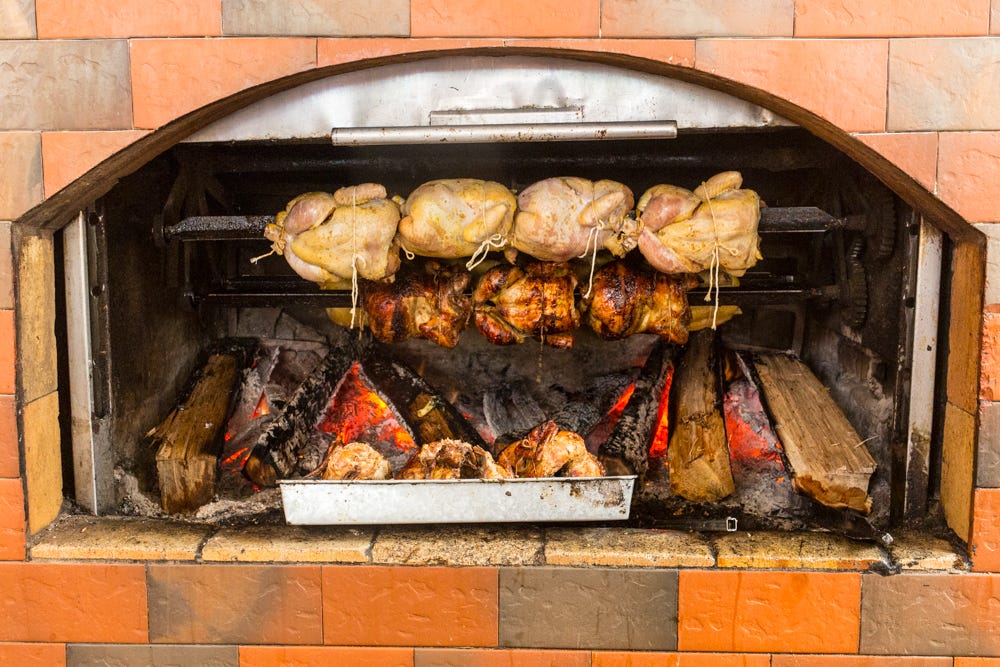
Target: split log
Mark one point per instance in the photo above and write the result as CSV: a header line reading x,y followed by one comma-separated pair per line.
x,y
697,453
189,440
829,461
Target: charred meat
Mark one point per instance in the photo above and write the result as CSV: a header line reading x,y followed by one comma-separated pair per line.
x,y
355,460
452,459
548,451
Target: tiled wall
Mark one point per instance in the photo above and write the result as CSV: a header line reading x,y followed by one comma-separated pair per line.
x,y
917,81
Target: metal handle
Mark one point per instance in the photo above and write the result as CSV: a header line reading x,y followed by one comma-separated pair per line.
x,y
502,133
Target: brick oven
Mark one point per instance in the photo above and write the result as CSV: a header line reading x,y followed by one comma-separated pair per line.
x,y
110,101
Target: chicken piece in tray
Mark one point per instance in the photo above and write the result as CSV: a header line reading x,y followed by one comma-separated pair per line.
x,y
452,459
355,460
562,218
626,300
511,304
326,237
456,217
689,232
548,451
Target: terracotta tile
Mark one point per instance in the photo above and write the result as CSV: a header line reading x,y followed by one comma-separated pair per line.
x,y
673,51
930,614
17,19
322,656
915,153
808,612
42,461
65,85
7,338
33,655
127,18
458,545
36,310
289,544
409,606
88,537
316,17
989,374
977,662
238,604
447,657
6,267
70,602
588,608
697,18
9,456
889,18
626,547
968,170
164,655
985,545
680,660
916,550
173,76
943,84
815,551
841,80
337,51
514,18
12,522
858,661
68,155
20,181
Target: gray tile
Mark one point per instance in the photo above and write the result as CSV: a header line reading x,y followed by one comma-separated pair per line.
x,y
988,461
165,655
323,18
17,19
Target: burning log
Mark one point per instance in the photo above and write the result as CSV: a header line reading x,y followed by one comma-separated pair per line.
x,y
698,454
188,441
829,461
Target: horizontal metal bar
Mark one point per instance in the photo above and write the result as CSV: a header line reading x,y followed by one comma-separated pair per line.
x,y
501,133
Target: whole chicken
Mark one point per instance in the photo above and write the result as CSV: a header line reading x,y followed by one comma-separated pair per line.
x,y
562,218
456,217
626,301
452,459
422,304
684,231
323,236
511,303
548,451
355,460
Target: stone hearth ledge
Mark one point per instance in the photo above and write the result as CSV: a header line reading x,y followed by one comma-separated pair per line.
x,y
84,537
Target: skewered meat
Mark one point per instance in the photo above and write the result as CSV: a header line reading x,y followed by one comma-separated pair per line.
x,y
626,301
428,304
550,452
452,218
562,218
511,303
355,460
684,232
452,459
323,236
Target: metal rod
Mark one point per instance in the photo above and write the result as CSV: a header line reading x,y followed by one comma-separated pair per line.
x,y
501,133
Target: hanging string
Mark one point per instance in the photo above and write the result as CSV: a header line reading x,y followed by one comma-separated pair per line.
x,y
409,255
592,236
254,260
713,268
354,254
494,242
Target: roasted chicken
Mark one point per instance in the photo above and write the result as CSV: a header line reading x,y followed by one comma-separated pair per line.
x,y
548,451
452,459
689,232
325,237
455,217
511,304
355,460
626,301
562,218
422,304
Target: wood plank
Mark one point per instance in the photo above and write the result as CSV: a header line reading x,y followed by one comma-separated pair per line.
x,y
698,454
829,460
188,441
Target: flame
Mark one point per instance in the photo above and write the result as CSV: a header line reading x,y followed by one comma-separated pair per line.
x,y
661,435
748,431
261,409
245,451
356,413
615,413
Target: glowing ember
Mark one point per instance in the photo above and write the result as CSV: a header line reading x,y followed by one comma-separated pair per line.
x,y
661,435
357,414
239,455
261,409
747,429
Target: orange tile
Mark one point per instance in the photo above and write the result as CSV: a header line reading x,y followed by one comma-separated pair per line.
x,y
757,611
127,18
68,155
69,602
842,80
986,531
6,351
410,606
9,457
12,522
674,51
968,171
622,659
33,655
890,18
858,661
321,656
173,76
913,152
335,51
989,369
456,657
977,662
513,18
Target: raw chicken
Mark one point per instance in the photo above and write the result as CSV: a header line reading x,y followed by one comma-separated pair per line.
x,y
455,217
562,218
452,459
686,232
323,236
550,452
626,301
428,304
355,460
511,303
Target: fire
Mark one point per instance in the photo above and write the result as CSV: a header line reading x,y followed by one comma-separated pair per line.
x,y
661,435
615,413
238,455
748,433
261,409
356,413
